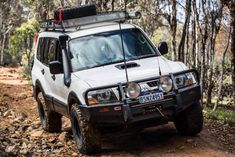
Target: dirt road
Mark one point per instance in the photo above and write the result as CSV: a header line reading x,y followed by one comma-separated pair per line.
x,y
21,134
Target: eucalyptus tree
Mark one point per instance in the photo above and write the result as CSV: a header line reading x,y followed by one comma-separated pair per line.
x,y
10,17
231,6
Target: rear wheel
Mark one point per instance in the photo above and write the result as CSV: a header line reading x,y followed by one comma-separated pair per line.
x,y
190,121
50,120
87,137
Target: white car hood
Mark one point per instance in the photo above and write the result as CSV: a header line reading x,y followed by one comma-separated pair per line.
x,y
110,74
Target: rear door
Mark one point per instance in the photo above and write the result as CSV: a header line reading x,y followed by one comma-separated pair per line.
x,y
47,56
42,69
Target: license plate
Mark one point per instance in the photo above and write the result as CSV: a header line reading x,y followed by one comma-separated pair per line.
x,y
151,97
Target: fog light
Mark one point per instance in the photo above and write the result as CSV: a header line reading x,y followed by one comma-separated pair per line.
x,y
166,83
133,90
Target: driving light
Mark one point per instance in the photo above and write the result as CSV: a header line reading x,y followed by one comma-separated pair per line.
x,y
165,83
133,90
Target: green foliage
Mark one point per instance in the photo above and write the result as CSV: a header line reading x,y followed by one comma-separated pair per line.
x,y
28,2
162,34
26,31
225,115
26,72
14,45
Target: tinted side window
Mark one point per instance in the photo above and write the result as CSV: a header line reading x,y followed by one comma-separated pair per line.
x,y
58,56
40,49
45,50
52,50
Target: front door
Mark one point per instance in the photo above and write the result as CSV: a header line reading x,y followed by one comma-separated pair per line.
x,y
60,91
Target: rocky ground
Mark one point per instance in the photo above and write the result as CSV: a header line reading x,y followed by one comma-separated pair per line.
x,y
21,134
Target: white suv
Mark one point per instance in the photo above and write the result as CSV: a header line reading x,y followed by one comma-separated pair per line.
x,y
107,74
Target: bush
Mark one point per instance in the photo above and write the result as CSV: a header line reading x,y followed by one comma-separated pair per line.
x,y
26,72
225,115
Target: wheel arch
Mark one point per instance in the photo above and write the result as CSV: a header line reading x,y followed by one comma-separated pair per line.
x,y
38,88
72,99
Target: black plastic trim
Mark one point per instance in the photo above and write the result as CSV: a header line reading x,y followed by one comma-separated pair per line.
x,y
73,96
60,107
47,97
128,65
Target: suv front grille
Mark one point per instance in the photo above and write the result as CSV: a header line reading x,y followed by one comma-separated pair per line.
x,y
153,83
150,85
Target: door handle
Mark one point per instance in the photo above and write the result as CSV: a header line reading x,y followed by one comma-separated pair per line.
x,y
53,77
43,71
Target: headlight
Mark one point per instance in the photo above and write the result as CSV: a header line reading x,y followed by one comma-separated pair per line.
x,y
102,96
184,80
165,83
133,90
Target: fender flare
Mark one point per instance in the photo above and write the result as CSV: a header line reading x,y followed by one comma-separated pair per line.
x,y
72,98
37,88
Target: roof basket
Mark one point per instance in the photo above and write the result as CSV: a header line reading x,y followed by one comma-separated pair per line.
x,y
93,18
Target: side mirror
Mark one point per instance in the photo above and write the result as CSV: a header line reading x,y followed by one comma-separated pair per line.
x,y
163,48
56,67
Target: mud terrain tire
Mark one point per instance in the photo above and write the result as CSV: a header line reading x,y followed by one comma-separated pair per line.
x,y
87,137
50,120
190,121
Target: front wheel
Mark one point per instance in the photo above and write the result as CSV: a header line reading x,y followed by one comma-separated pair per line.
x,y
87,136
190,121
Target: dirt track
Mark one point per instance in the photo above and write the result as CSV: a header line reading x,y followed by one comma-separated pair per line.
x,y
21,134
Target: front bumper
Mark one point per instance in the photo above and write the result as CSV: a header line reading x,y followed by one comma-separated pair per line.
x,y
131,113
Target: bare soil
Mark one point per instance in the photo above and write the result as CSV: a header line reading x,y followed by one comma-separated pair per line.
x,y
22,135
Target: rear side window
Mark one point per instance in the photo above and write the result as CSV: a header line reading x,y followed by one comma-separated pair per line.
x,y
47,50
58,55
52,49
40,49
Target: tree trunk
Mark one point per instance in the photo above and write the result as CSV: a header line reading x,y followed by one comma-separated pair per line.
x,y
3,44
186,23
215,27
187,59
112,3
197,31
1,16
210,85
232,13
203,49
3,47
221,73
173,26
193,36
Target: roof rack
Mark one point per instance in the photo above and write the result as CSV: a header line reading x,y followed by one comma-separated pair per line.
x,y
118,16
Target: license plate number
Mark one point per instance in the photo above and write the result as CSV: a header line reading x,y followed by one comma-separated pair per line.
x,y
151,97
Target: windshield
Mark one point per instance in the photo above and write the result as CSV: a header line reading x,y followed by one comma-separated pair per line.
x,y
106,48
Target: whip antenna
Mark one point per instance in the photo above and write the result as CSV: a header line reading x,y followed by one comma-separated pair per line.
x,y
159,68
123,52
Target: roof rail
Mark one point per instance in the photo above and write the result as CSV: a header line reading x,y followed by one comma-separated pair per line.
x,y
118,16
51,24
